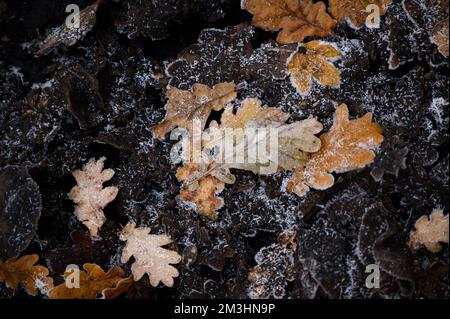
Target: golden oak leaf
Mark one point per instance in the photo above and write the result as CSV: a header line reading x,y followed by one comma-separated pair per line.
x,y
347,146
430,231
356,11
90,196
184,106
440,37
149,255
314,63
93,281
297,19
22,271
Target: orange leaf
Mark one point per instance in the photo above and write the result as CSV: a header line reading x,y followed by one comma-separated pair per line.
x,y
355,11
314,64
22,271
297,19
347,146
93,281
440,37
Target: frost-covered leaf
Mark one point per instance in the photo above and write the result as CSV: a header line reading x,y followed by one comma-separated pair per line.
x,y
90,196
20,210
23,271
440,36
184,107
347,146
150,257
391,159
297,19
93,282
316,64
430,231
69,35
275,267
355,12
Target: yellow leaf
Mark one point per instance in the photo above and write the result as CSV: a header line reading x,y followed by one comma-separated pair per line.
x,y
355,10
184,106
297,19
22,271
430,231
93,281
314,63
347,146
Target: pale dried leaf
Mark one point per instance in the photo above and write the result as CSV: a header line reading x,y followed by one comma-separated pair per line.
x,y
89,195
430,231
150,257
297,19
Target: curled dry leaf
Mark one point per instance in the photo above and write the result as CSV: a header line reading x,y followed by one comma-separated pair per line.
x,y
347,146
356,12
297,19
89,195
314,63
184,106
430,231
23,271
122,287
69,35
93,282
440,37
149,257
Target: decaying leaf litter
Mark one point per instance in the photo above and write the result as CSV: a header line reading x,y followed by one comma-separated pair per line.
x,y
100,97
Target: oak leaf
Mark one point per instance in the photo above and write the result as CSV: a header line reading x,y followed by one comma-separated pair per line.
x,y
440,37
430,231
356,12
89,195
184,106
297,19
347,146
314,63
93,282
149,255
23,271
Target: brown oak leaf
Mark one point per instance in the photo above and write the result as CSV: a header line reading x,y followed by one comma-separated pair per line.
x,y
23,271
93,282
89,195
440,37
297,19
356,11
184,106
347,146
430,231
314,63
149,255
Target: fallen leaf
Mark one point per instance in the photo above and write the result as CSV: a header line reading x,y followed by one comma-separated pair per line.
x,y
440,37
314,63
430,231
347,146
297,19
149,257
23,271
69,35
93,282
89,195
355,11
122,287
184,106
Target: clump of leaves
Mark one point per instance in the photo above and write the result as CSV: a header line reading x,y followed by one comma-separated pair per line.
x,y
150,257
275,266
314,63
347,146
430,231
23,271
89,195
297,19
355,12
94,281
